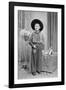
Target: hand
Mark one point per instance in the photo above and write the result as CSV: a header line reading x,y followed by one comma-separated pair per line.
x,y
34,46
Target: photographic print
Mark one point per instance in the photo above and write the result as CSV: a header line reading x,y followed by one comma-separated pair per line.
x,y
36,44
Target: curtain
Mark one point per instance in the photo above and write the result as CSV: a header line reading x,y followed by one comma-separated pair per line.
x,y
52,30
50,61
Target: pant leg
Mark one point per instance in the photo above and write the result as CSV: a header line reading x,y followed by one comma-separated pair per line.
x,y
33,62
39,60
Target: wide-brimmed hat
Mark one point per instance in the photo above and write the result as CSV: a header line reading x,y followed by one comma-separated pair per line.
x,y
36,21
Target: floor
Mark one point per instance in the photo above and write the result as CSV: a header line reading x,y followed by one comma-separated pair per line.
x,y
24,74
49,69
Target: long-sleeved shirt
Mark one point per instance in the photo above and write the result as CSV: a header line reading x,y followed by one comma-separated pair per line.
x,y
36,38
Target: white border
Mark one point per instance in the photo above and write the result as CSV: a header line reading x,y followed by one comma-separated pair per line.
x,y
23,81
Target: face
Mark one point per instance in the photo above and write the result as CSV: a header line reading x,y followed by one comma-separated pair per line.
x,y
37,27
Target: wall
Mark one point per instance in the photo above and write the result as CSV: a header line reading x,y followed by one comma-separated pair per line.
x,y
24,23
26,17
49,20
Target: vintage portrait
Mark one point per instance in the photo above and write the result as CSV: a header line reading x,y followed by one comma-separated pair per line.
x,y
36,44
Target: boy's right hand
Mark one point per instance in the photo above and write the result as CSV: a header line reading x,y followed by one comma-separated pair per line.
x,y
34,46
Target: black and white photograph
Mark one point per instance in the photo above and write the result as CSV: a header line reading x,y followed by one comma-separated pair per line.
x,y
37,44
